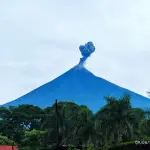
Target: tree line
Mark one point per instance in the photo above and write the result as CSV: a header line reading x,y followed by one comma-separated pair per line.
x,y
115,123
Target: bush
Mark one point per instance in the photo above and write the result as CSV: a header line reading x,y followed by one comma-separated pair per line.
x,y
91,147
5,141
129,146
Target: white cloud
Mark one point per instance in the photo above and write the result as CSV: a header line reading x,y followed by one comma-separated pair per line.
x,y
39,40
13,64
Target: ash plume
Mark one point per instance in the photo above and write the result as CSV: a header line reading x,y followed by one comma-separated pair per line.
x,y
86,50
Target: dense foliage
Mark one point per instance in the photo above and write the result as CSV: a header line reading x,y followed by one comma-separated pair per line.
x,y
115,123
5,141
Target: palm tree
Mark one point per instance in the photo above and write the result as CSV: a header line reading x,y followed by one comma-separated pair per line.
x,y
116,119
144,125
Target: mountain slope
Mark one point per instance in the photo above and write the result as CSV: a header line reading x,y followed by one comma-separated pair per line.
x,y
80,86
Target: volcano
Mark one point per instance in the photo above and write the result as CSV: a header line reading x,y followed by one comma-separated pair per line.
x,y
80,86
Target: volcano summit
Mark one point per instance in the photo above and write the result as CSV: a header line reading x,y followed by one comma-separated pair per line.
x,y
80,86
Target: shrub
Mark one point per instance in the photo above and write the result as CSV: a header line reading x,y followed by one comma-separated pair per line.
x,y
5,141
91,147
128,146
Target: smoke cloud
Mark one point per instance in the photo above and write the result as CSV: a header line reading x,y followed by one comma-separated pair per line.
x,y
86,50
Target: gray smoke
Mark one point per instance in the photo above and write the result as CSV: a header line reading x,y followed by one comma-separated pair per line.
x,y
86,50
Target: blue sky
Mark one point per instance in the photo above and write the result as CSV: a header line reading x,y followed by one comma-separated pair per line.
x,y
39,40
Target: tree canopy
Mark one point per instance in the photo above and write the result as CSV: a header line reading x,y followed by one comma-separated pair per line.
x,y
114,123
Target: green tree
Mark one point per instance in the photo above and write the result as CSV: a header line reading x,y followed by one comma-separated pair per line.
x,y
48,122
34,138
115,122
116,119
139,116
5,122
144,125
68,113
5,141
85,128
27,116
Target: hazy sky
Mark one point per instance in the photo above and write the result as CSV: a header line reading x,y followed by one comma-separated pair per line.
x,y
39,40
